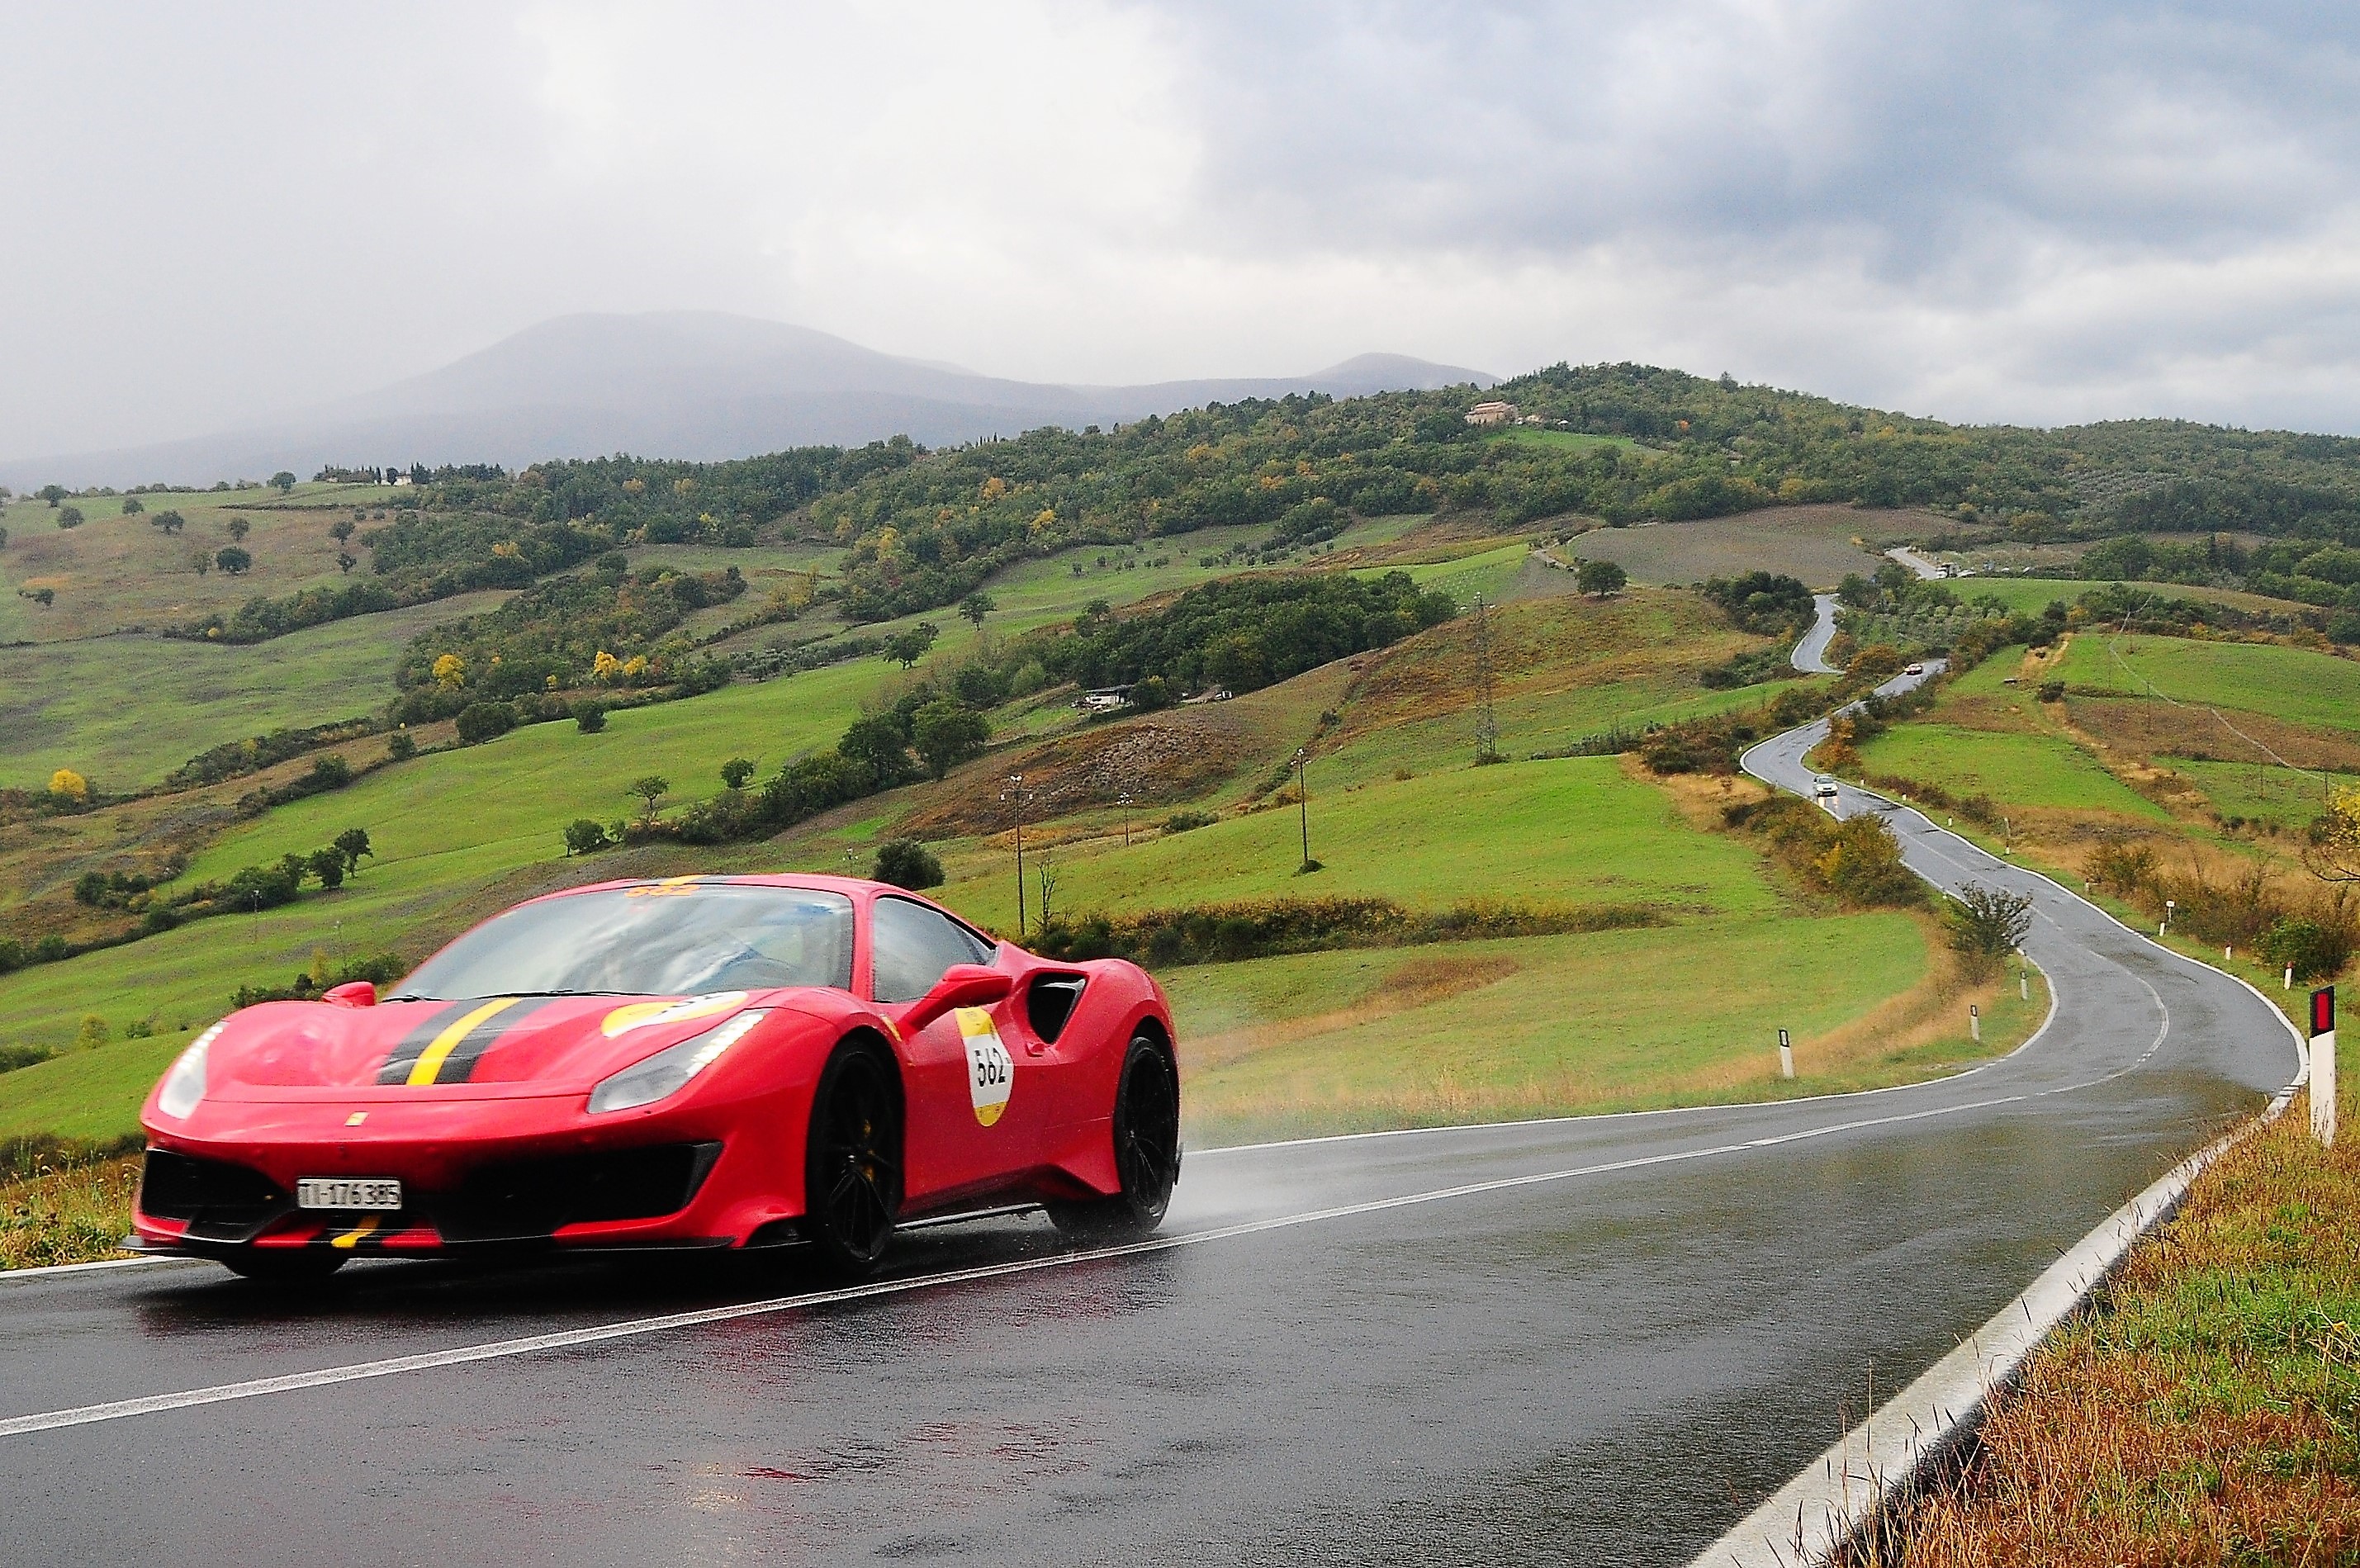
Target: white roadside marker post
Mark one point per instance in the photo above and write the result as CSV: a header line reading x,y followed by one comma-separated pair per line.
x,y
1975,1022
2322,1066
2290,979
1786,1056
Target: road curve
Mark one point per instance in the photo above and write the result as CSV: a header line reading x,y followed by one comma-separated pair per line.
x,y
1810,655
1588,1340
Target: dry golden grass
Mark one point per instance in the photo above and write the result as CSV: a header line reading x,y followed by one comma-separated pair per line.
x,y
2210,1411
73,1215
1421,982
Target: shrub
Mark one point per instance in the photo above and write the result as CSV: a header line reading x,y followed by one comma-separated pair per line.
x,y
1863,867
400,746
1185,821
590,715
583,836
1986,924
2316,949
906,863
480,722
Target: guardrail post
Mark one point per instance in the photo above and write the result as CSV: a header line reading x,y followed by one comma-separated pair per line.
x,y
2322,1066
1975,1021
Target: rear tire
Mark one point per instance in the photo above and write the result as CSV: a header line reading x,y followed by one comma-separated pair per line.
x,y
304,1266
1147,1127
852,1161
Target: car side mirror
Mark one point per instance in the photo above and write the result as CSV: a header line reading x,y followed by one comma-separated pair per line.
x,y
962,986
351,993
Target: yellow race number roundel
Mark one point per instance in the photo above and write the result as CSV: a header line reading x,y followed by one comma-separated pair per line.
x,y
990,1070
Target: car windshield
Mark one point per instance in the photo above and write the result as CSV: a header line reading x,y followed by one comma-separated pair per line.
x,y
661,939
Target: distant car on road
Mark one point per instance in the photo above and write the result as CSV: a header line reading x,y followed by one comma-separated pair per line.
x,y
1915,669
1823,788
699,1062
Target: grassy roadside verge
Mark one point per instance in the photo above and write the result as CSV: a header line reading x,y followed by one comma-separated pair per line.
x,y
71,1215
2209,1409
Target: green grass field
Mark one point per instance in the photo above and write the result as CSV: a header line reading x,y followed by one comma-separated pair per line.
x,y
115,571
125,711
1488,572
1564,441
2024,769
2287,797
2030,595
2287,684
1575,830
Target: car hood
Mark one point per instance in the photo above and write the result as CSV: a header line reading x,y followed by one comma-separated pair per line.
x,y
492,1044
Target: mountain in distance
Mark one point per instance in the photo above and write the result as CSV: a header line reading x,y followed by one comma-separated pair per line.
x,y
694,385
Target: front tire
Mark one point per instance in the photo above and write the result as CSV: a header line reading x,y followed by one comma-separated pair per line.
x,y
852,1161
1146,1126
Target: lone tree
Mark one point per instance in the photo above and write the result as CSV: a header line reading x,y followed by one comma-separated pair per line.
x,y
345,562
69,517
736,771
341,530
133,506
1601,578
907,647
171,521
53,494
233,559
906,863
282,482
352,843
975,606
946,734
583,836
1987,925
2331,848
238,529
650,790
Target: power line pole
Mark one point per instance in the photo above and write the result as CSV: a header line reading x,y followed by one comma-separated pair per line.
x,y
1303,802
1014,794
1487,725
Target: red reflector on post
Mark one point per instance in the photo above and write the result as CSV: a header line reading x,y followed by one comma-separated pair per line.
x,y
2322,1011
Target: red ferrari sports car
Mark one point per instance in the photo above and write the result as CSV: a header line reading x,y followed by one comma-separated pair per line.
x,y
702,1061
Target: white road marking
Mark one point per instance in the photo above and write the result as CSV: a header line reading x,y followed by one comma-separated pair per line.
x,y
564,1339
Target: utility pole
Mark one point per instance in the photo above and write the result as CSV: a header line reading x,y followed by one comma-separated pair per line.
x,y
1125,802
1303,803
1014,794
1487,725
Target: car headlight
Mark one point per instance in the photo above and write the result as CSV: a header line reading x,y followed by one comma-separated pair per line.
x,y
669,1070
184,1086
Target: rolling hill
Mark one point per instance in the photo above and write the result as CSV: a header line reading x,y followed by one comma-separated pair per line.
x,y
694,385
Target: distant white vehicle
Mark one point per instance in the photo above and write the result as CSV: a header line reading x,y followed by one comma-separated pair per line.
x,y
1915,669
1823,788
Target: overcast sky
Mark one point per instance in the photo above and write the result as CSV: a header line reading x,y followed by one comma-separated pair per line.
x,y
1982,210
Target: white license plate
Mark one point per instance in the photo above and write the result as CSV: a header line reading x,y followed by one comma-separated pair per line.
x,y
327,1192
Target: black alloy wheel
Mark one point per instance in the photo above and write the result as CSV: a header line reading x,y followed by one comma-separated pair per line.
x,y
287,1266
1146,1149
852,1161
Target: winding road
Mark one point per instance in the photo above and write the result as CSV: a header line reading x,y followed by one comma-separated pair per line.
x,y
1589,1340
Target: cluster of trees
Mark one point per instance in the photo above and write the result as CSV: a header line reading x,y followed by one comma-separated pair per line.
x,y
1857,861
1215,934
607,625
232,758
1763,602
924,732
265,885
1241,632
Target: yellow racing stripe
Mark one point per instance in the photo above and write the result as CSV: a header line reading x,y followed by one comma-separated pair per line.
x,y
351,1238
430,1061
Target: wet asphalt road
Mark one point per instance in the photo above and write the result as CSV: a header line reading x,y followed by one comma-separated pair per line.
x,y
1587,1341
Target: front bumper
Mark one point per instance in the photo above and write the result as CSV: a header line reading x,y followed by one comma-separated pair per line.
x,y
504,1174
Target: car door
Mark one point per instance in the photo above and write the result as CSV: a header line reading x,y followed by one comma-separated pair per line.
x,y
971,1115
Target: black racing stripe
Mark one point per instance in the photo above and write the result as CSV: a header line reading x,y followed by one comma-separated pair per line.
x,y
395,1068
461,1063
